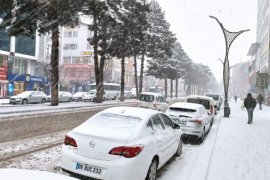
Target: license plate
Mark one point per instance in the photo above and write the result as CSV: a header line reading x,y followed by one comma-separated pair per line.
x,y
183,121
88,168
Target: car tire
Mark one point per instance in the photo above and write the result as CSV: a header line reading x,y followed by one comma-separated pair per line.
x,y
94,100
201,139
69,100
24,101
43,101
179,149
80,99
152,171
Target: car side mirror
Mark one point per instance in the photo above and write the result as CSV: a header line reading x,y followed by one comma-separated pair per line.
x,y
176,126
30,95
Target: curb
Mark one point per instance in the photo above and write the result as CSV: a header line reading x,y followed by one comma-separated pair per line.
x,y
201,168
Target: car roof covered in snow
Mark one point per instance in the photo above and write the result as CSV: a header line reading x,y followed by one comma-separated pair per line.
x,y
141,113
186,105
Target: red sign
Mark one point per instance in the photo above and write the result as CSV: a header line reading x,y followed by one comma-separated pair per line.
x,y
3,68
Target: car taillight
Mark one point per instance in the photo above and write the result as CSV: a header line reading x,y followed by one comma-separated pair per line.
x,y
197,121
70,141
126,151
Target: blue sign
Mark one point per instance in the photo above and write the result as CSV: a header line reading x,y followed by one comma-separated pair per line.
x,y
10,88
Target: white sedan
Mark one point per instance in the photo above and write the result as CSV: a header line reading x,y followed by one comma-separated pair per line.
x,y
121,143
192,118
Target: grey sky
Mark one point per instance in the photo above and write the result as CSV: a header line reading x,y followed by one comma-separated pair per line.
x,y
202,38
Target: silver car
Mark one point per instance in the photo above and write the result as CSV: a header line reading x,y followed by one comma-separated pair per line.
x,y
192,118
63,96
154,101
28,97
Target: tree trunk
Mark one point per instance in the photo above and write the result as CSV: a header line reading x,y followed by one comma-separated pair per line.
x,y
122,79
135,76
166,86
171,95
176,88
98,69
54,66
141,75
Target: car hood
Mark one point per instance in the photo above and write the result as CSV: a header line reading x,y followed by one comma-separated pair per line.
x,y
16,97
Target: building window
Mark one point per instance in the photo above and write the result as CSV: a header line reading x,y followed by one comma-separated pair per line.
x,y
70,34
17,66
70,46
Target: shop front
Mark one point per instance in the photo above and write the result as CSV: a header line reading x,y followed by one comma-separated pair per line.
x,y
25,82
3,76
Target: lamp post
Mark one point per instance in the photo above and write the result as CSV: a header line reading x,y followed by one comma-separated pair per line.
x,y
229,38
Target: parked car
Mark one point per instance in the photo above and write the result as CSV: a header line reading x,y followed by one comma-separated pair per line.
x,y
121,143
128,95
28,97
207,102
175,100
63,96
91,96
153,101
78,96
192,118
216,98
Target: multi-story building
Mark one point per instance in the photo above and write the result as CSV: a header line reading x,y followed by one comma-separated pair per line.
x,y
76,57
259,51
20,67
240,82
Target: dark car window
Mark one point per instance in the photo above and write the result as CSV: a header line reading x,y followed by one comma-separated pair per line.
x,y
157,123
167,121
182,109
146,98
203,102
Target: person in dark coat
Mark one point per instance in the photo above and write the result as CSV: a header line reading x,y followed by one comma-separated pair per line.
x,y
250,104
260,100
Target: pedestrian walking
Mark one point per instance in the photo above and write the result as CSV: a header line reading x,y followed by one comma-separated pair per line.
x,y
235,98
250,104
260,100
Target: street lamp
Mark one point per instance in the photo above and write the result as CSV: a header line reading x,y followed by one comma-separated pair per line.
x,y
229,38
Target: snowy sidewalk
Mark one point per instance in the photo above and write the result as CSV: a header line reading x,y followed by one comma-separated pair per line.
x,y
242,151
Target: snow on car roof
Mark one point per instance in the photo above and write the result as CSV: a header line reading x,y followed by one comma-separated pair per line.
x,y
141,113
200,97
186,105
151,93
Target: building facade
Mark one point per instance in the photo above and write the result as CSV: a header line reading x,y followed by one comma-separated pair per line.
x,y
259,52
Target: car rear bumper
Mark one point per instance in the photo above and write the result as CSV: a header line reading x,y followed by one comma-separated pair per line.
x,y
120,169
192,131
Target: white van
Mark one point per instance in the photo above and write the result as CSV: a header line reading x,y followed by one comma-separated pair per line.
x,y
207,102
216,98
153,101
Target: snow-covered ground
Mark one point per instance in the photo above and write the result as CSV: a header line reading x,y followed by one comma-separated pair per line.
x,y
233,150
238,151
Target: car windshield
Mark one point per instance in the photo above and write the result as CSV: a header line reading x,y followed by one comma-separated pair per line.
x,y
182,109
114,120
203,102
26,93
147,98
92,92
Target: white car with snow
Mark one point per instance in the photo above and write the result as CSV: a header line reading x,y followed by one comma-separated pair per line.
x,y
78,96
121,143
192,118
154,101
